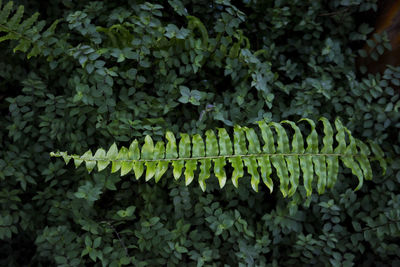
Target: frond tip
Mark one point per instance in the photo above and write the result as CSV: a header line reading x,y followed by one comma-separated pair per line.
x,y
289,159
28,33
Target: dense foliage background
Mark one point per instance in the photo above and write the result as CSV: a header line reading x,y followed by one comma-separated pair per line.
x,y
117,70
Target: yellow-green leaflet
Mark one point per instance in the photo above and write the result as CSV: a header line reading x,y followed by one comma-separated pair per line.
x,y
112,154
237,165
116,165
134,153
269,148
205,164
148,153
219,171
191,165
219,163
282,172
297,148
126,157
211,144
251,164
252,138
90,162
268,137
266,171
239,141
162,166
332,161
101,164
351,163
279,161
184,145
184,152
340,137
225,148
308,173
171,149
225,144
318,161
346,157
126,166
239,144
363,159
291,161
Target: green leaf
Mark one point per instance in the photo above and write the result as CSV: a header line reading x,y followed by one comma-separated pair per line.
x,y
350,163
237,165
211,144
219,163
363,159
190,167
77,162
266,133
162,166
219,171
251,164
184,152
332,161
112,152
113,155
97,242
239,142
126,164
101,164
318,160
252,138
171,148
291,161
204,173
134,154
340,137
89,160
5,12
199,151
282,172
148,153
225,144
266,171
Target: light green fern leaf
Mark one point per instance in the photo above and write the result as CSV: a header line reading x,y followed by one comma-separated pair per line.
x,y
282,150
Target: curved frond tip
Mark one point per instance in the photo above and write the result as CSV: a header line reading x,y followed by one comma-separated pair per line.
x,y
284,151
29,33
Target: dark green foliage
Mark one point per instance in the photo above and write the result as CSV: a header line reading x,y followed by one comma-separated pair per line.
x,y
115,71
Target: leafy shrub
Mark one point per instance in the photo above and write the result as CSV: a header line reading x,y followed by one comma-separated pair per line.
x,y
88,74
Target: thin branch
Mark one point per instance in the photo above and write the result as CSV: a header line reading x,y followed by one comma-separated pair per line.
x,y
377,226
119,238
339,12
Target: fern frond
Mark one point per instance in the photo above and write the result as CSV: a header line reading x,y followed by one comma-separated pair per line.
x,y
118,35
288,158
28,33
